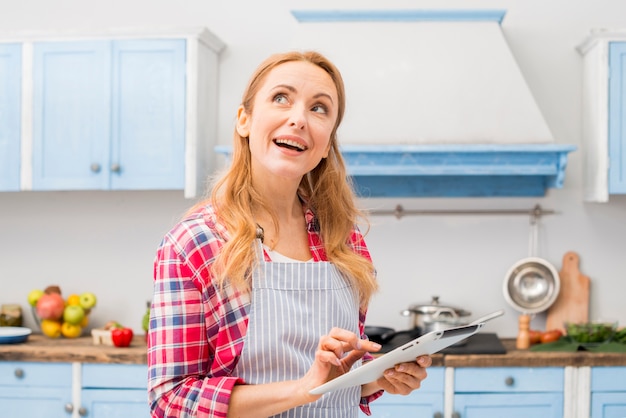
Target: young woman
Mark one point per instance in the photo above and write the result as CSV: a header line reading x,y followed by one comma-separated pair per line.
x,y
261,291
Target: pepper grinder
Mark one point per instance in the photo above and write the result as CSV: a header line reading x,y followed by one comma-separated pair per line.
x,y
523,335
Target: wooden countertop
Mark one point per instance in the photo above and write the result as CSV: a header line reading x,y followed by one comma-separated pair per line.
x,y
67,350
526,358
44,349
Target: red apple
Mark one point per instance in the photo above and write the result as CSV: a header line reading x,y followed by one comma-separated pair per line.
x,y
50,306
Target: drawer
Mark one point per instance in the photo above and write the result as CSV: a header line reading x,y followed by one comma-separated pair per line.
x,y
115,376
608,379
435,380
25,374
508,379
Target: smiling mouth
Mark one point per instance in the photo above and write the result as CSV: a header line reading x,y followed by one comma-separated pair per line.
x,y
293,145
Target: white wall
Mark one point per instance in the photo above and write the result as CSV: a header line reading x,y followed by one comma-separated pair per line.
x,y
105,241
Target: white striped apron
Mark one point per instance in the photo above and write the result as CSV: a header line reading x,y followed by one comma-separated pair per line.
x,y
292,306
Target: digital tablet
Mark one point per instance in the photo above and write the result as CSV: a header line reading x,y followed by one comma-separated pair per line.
x,y
429,343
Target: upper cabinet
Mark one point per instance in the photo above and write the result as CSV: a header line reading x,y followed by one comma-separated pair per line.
x,y
109,115
604,114
120,112
10,116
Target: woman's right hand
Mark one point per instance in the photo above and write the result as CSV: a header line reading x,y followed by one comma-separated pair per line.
x,y
335,355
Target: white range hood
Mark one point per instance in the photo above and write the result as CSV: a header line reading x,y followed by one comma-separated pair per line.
x,y
436,104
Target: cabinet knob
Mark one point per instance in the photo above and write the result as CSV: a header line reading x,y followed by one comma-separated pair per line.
x,y
456,415
509,381
19,373
69,408
82,411
116,168
437,415
95,167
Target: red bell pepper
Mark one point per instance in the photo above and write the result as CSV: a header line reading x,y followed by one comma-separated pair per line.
x,y
122,337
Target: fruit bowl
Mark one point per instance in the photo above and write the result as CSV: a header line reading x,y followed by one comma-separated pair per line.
x,y
596,332
57,316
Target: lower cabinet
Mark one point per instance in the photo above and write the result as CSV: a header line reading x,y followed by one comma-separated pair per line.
x,y
425,402
114,390
35,390
509,392
608,392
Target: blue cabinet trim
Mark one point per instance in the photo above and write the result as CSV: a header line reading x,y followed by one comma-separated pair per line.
x,y
617,113
472,170
405,15
10,116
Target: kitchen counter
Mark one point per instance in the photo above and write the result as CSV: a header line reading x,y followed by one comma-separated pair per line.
x,y
44,349
526,358
67,350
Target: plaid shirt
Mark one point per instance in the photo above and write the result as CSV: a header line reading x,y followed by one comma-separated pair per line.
x,y
197,333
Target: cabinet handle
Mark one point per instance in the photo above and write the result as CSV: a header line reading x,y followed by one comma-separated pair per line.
x,y
437,415
509,381
456,415
95,167
82,411
19,373
116,168
69,408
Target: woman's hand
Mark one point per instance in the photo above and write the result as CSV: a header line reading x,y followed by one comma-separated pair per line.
x,y
335,355
404,377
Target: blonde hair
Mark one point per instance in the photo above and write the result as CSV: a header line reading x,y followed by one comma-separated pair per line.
x,y
326,189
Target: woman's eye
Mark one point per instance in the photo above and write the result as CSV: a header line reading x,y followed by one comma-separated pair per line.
x,y
319,108
280,98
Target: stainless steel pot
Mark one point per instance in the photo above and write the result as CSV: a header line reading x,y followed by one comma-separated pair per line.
x,y
435,317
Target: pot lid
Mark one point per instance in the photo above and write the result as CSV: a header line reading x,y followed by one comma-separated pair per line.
x,y
436,308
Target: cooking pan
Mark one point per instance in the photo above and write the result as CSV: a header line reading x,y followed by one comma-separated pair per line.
x,y
380,335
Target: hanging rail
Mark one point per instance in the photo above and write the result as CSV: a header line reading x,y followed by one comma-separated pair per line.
x,y
399,212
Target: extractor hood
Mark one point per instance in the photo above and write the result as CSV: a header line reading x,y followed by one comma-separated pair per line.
x,y
436,104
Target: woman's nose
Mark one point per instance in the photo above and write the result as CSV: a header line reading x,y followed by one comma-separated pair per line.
x,y
297,117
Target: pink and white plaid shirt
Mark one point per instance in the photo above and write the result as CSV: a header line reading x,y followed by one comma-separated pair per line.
x,y
196,333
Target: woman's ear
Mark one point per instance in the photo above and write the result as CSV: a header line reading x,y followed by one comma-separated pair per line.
x,y
243,122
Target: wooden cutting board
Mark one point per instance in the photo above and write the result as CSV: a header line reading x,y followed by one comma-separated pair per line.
x,y
572,304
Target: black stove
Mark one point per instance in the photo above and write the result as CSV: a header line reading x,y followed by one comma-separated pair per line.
x,y
480,343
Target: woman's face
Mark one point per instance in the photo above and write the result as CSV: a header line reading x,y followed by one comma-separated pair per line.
x,y
294,113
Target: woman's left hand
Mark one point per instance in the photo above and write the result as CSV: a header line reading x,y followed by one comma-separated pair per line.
x,y
405,377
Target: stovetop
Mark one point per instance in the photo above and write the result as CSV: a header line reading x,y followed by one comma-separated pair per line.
x,y
480,343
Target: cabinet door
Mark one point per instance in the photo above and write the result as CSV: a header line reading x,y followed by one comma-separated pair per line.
x,y
148,136
115,403
35,402
608,405
35,390
617,118
71,115
425,402
509,405
608,392
10,116
419,405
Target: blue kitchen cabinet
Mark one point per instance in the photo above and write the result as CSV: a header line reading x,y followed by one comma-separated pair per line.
x,y
114,390
35,390
10,116
608,392
508,392
109,115
428,401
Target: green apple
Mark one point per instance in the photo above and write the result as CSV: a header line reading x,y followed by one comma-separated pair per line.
x,y
34,296
73,314
88,300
